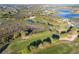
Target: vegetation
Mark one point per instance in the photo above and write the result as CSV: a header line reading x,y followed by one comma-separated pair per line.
x,y
36,29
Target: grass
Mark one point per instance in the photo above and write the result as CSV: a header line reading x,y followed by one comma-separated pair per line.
x,y
19,45
56,49
65,35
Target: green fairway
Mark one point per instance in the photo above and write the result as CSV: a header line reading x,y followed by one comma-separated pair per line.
x,y
56,49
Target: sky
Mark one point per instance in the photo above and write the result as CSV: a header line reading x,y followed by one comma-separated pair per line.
x,y
39,2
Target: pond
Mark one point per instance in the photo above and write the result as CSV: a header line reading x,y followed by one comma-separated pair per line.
x,y
30,21
66,13
35,21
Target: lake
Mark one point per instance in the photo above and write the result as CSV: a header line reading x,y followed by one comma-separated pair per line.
x,y
64,13
68,15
